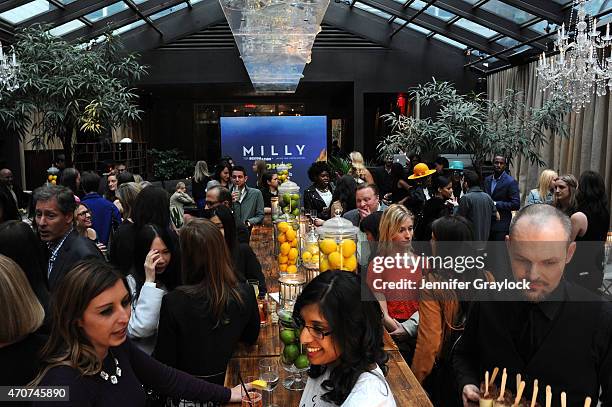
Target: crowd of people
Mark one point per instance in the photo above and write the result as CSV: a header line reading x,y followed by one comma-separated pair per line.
x,y
126,292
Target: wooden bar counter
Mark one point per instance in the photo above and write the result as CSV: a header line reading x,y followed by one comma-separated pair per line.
x,y
405,387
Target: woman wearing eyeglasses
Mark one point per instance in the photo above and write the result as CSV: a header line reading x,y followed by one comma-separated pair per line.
x,y
345,349
82,216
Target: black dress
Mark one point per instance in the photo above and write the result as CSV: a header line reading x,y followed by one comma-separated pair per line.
x,y
247,266
190,339
21,360
433,209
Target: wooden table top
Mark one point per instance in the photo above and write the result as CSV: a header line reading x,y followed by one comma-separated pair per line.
x,y
406,389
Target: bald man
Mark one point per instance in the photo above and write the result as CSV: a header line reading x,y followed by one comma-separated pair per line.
x,y
554,331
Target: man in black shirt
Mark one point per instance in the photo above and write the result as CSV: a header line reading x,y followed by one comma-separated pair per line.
x,y
560,334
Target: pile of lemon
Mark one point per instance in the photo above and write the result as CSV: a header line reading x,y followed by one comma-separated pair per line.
x,y
52,179
288,243
310,255
338,256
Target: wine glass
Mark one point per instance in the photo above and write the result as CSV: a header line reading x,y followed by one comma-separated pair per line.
x,y
255,284
268,372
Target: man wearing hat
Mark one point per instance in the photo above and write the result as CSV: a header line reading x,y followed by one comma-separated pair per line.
x,y
456,169
417,195
504,191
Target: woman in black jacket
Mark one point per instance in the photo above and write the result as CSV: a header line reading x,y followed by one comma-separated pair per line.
x,y
319,195
202,322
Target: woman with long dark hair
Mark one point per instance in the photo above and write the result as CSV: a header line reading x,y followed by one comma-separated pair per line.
x,y
245,262
155,272
347,361
202,321
19,242
71,178
221,176
565,199
587,265
442,313
343,198
399,191
440,204
88,351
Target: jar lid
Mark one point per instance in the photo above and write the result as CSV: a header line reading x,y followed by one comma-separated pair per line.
x,y
338,225
288,187
292,279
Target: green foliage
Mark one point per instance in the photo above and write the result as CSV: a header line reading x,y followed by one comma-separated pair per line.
x,y
474,124
170,164
339,165
66,87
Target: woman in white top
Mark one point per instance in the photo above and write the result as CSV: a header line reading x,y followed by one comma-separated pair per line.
x,y
345,349
154,273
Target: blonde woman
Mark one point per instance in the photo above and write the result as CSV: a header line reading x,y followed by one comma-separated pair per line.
x,y
22,316
201,176
127,193
359,170
544,191
400,307
565,199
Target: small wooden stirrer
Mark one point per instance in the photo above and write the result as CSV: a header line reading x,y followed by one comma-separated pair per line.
x,y
519,393
486,383
548,396
503,386
534,395
493,376
587,402
563,399
518,381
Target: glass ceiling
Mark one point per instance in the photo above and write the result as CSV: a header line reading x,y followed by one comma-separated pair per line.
x,y
492,29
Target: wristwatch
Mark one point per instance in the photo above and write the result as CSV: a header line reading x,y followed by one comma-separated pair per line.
x,y
248,224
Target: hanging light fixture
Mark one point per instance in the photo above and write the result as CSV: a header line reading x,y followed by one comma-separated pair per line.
x,y
582,65
275,38
9,68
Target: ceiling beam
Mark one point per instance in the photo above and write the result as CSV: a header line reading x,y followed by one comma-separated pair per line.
x,y
490,20
415,15
120,19
71,12
546,9
9,4
436,25
147,20
175,26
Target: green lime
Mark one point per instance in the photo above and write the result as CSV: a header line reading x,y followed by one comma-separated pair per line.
x,y
290,353
295,197
287,198
286,209
301,362
287,336
296,212
295,203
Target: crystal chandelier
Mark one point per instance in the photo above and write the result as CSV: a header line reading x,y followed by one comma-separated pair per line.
x,y
581,63
275,39
9,67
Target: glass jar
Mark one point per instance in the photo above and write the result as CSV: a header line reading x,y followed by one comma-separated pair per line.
x,y
310,250
52,175
293,355
338,245
282,170
286,232
289,198
290,287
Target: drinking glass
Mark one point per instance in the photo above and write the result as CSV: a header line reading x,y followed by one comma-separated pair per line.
x,y
256,399
268,372
255,285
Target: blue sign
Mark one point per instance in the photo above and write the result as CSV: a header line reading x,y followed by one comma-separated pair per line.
x,y
297,141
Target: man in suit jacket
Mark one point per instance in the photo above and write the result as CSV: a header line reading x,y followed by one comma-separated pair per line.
x,y
367,201
553,331
504,191
55,207
248,202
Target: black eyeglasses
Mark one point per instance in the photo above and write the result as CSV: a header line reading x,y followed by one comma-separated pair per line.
x,y
317,332
84,213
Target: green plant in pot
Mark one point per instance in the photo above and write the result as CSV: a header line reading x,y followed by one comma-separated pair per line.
x,y
474,124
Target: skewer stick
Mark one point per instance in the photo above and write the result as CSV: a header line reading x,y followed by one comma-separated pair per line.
x,y
548,396
587,402
534,395
519,393
563,399
486,383
493,376
503,386
518,381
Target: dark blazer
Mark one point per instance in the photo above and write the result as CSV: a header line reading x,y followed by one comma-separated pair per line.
x,y
507,199
312,200
74,249
8,206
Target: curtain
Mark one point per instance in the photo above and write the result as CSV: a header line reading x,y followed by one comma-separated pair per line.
x,y
588,147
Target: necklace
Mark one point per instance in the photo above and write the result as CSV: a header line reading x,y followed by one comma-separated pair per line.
x,y
113,378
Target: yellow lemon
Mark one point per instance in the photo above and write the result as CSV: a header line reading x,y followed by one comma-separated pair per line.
x,y
282,267
324,265
294,243
348,247
54,182
283,227
50,177
290,234
313,248
292,261
315,259
282,259
327,246
291,269
350,263
307,257
281,238
284,248
335,260
293,253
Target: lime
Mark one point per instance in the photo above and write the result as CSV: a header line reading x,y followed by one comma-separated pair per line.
x,y
301,362
290,353
287,336
295,203
296,212
287,198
